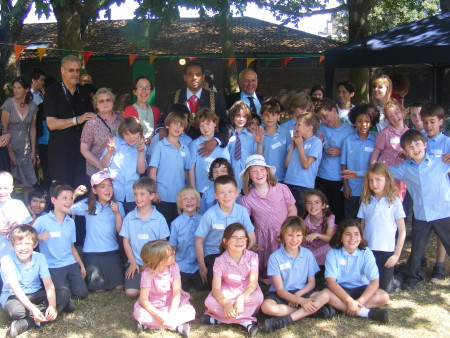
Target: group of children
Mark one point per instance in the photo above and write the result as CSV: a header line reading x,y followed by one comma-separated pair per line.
x,y
228,242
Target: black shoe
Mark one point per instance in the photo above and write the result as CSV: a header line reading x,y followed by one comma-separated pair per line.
x,y
139,327
381,315
205,319
331,311
184,330
252,329
322,313
20,326
70,307
276,323
438,275
410,284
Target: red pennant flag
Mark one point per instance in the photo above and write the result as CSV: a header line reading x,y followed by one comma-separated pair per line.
x,y
86,56
286,60
230,61
132,58
190,59
321,59
18,50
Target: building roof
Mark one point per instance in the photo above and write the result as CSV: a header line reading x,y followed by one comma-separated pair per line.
x,y
185,37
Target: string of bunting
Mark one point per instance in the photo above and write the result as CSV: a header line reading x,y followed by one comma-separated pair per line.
x,y
18,50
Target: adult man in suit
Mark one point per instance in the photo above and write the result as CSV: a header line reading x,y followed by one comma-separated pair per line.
x,y
248,82
195,98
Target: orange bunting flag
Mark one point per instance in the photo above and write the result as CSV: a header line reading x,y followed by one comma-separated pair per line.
x,y
286,60
18,50
321,59
152,58
249,61
190,59
132,58
41,53
230,61
86,56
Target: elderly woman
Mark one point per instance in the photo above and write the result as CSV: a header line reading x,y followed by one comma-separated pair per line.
x,y
97,130
147,115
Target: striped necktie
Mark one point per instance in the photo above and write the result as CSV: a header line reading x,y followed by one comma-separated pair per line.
x,y
237,148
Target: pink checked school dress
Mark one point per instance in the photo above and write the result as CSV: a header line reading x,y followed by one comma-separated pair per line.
x,y
235,278
318,247
160,296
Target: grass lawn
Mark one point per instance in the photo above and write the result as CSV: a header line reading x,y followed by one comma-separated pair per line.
x,y
423,312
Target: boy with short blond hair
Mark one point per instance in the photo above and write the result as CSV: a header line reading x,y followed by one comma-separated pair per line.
x,y
298,104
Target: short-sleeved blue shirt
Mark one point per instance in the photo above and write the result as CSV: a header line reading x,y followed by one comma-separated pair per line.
x,y
438,145
275,149
248,147
289,125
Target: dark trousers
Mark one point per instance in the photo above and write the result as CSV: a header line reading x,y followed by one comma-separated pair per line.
x,y
209,262
168,210
420,233
351,207
16,310
192,279
299,194
70,277
386,274
333,191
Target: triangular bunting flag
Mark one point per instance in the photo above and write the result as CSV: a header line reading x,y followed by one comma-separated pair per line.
x,y
152,58
249,61
267,63
286,60
321,59
64,53
41,53
108,57
18,50
172,59
230,61
303,61
132,58
190,59
86,56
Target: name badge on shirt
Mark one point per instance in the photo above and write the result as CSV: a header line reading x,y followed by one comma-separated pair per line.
x,y
218,226
209,159
142,236
183,154
342,261
368,149
395,140
276,145
232,138
285,266
55,234
235,277
437,152
307,146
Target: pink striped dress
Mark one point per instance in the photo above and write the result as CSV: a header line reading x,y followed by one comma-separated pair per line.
x,y
318,247
235,278
160,296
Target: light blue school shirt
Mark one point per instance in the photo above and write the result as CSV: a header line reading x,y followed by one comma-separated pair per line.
x,y
275,149
356,156
244,98
101,235
12,211
171,164
208,200
330,167
141,231
429,186
289,125
295,173
294,272
248,148
27,275
202,164
58,248
183,138
214,222
351,270
182,236
438,145
123,168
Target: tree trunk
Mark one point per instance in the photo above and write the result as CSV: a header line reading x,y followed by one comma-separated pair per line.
x,y
358,11
11,26
226,28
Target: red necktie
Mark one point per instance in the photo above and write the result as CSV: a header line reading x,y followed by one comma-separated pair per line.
x,y
193,103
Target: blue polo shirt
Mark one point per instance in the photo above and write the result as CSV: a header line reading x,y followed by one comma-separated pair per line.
x,y
351,270
182,236
141,231
330,167
58,248
275,149
123,168
248,148
12,211
289,125
295,174
171,164
213,223
183,138
294,272
356,156
101,234
202,164
438,145
27,275
208,200
428,184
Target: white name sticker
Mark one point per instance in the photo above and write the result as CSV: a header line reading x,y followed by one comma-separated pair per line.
x,y
183,154
395,140
232,138
285,266
342,262
276,145
235,277
142,236
55,234
209,159
368,149
437,152
307,146
218,226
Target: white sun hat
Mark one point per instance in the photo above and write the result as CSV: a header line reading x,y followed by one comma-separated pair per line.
x,y
256,160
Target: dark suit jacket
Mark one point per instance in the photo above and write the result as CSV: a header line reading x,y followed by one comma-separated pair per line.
x,y
225,128
232,98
